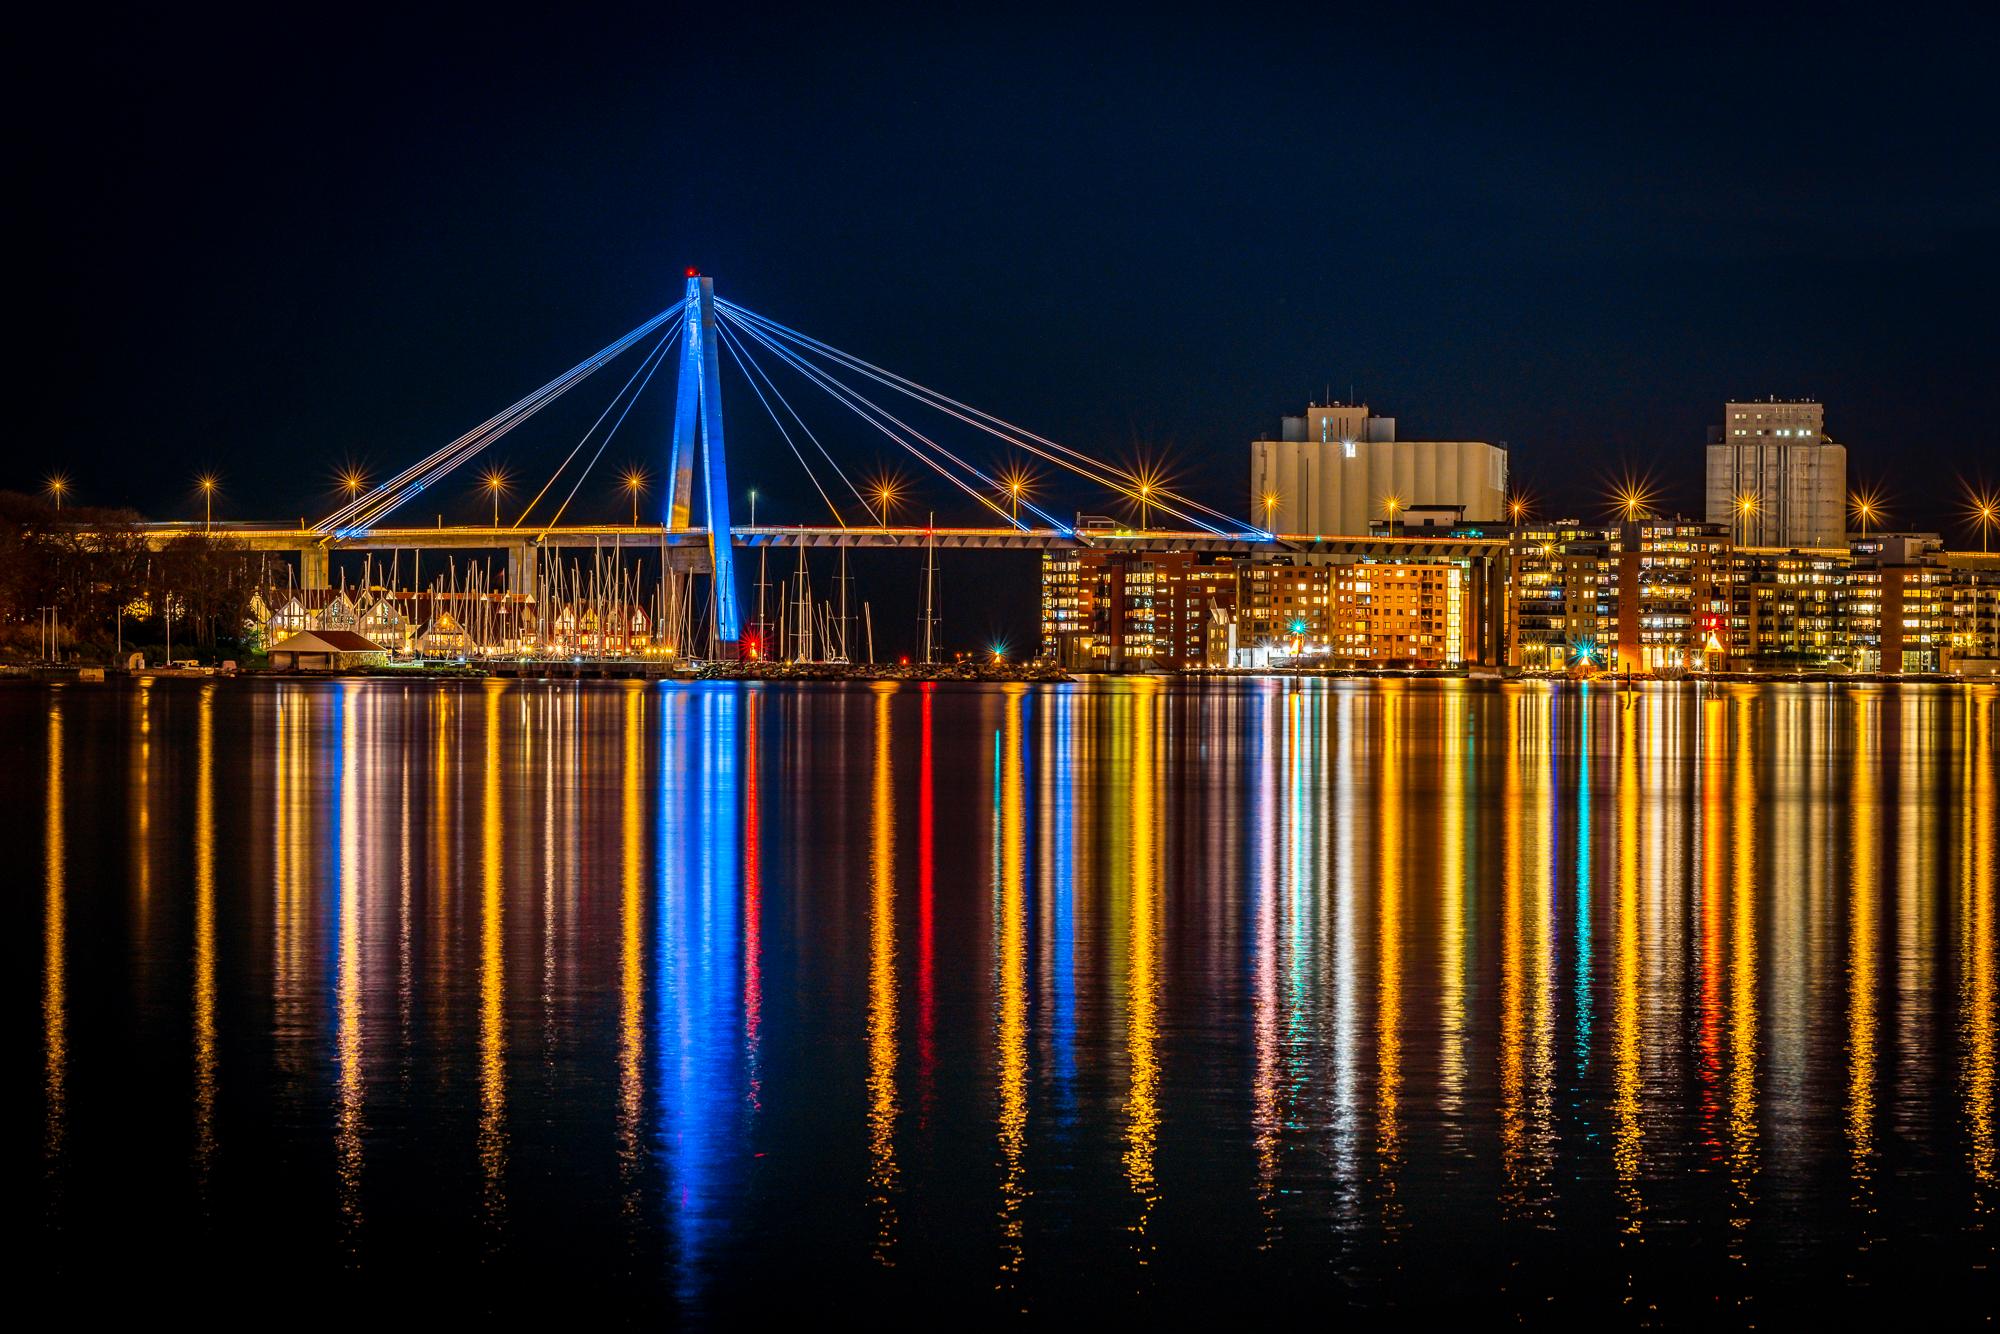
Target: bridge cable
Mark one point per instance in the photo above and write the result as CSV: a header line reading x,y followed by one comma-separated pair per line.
x,y
1158,497
392,493
653,359
750,373
1006,431
556,518
869,411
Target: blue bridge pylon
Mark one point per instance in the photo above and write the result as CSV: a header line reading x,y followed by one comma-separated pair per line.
x,y
698,407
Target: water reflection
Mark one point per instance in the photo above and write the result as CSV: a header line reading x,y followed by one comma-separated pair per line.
x,y
1010,1018
55,965
1135,726
882,1106
203,1001
1652,1003
1861,947
347,762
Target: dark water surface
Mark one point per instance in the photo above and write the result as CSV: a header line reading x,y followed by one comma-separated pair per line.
x,y
1523,1002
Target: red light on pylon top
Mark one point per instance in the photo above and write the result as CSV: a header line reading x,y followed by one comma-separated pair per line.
x,y
694,272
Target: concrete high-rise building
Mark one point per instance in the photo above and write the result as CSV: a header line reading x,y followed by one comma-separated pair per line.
x,y
1336,469
1774,478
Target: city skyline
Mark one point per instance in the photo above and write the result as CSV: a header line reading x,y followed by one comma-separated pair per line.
x,y
483,259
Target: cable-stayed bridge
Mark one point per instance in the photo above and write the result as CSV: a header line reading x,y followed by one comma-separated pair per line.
x,y
695,531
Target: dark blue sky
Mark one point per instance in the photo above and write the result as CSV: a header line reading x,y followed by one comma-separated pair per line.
x,y
264,245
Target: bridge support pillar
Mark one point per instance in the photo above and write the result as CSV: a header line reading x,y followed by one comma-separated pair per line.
x,y
698,410
521,568
313,567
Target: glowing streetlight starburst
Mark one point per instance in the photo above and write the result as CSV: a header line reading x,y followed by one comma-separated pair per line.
x,y
887,491
1984,509
1017,482
1866,507
1632,498
57,487
633,480
207,483
351,479
1517,508
1746,506
1149,484
494,480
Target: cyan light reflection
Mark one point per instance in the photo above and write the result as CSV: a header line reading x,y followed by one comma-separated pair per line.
x,y
1584,989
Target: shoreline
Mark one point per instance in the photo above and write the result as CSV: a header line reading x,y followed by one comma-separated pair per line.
x,y
958,673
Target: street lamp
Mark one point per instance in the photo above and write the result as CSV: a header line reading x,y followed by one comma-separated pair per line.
x,y
1985,513
1270,511
1392,504
1866,508
1746,509
494,480
634,481
885,495
1516,508
1632,500
351,481
58,486
207,483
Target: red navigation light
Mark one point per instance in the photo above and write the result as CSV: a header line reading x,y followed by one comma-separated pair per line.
x,y
694,273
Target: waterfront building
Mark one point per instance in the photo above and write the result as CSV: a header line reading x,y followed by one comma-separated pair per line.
x,y
1123,611
1671,604
1337,468
382,621
1287,607
1400,614
326,651
1641,596
1899,604
1065,606
1126,611
1563,596
1972,643
1786,606
1776,456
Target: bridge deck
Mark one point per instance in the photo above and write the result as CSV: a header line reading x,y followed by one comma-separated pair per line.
x,y
482,537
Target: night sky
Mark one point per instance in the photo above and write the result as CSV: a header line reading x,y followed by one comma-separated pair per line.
x,y
268,246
